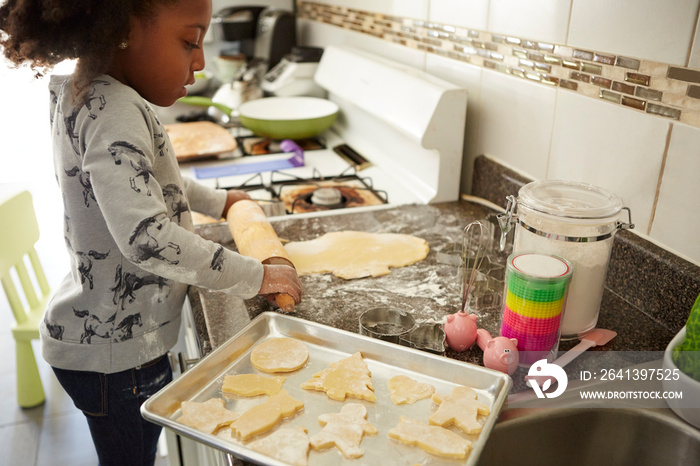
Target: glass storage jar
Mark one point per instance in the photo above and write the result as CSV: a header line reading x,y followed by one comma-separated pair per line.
x,y
576,221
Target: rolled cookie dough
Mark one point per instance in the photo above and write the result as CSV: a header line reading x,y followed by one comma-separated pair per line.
x,y
288,444
347,377
279,355
433,439
461,409
356,254
344,430
208,416
252,384
405,390
265,416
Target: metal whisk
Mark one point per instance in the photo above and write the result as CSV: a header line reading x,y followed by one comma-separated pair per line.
x,y
473,235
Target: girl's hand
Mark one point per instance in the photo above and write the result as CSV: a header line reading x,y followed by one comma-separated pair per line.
x,y
280,279
233,196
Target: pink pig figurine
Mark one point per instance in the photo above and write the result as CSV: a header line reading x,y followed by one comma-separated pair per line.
x,y
500,353
460,330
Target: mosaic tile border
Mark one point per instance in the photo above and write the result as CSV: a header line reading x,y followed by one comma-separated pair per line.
x,y
658,89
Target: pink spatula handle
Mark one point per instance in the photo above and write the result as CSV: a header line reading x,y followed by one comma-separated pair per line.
x,y
574,352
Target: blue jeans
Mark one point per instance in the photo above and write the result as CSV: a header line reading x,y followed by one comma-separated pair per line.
x,y
111,403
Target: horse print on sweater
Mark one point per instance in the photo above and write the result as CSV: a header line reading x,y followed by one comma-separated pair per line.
x,y
55,330
124,330
145,242
84,260
140,165
175,200
70,120
217,262
84,179
126,284
94,327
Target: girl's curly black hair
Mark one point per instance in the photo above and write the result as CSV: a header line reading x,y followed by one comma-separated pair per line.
x,y
43,33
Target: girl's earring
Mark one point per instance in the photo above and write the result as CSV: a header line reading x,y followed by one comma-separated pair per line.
x,y
123,45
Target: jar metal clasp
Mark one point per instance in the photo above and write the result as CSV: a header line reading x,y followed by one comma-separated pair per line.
x,y
506,220
626,226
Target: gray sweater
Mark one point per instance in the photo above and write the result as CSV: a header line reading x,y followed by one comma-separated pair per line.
x,y
129,234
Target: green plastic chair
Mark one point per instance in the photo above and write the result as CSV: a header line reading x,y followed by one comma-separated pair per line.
x,y
19,232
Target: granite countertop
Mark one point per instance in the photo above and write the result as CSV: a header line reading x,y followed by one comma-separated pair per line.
x,y
429,289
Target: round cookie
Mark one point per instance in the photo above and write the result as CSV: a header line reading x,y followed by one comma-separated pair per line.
x,y
279,355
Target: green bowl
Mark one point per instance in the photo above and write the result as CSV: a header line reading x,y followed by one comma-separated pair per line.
x,y
288,117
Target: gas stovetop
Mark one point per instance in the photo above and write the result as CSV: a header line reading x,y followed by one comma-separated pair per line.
x,y
397,140
334,178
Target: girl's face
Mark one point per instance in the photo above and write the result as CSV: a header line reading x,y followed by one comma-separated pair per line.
x,y
164,51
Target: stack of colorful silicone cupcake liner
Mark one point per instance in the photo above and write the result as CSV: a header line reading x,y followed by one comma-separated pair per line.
x,y
534,303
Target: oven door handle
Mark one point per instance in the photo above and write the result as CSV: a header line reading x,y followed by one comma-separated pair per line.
x,y
180,362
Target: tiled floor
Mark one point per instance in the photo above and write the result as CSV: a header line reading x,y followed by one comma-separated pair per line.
x,y
56,432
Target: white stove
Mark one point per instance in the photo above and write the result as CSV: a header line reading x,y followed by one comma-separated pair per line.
x,y
406,124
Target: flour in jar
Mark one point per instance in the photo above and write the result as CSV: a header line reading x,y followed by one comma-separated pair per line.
x,y
589,262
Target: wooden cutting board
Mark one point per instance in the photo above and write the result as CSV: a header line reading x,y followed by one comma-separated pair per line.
x,y
199,139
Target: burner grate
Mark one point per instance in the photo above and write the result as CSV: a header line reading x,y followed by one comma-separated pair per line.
x,y
295,193
299,198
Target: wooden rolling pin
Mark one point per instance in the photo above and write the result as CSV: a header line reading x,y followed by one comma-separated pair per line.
x,y
255,237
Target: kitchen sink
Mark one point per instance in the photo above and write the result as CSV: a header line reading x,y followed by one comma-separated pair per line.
x,y
575,431
591,436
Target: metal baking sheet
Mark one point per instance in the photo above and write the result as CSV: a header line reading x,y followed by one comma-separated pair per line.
x,y
327,345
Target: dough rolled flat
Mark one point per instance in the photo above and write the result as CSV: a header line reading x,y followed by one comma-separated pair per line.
x,y
208,416
265,416
279,355
433,439
405,390
252,384
356,254
347,377
288,444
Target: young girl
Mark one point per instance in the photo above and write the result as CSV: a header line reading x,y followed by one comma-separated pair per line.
x,y
128,227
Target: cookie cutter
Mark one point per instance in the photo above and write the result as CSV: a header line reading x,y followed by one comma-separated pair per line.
x,y
427,337
386,323
398,326
450,255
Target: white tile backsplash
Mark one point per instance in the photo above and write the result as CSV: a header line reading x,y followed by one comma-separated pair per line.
x,y
468,77
541,20
417,9
694,59
471,14
515,122
651,29
321,35
549,132
677,219
608,146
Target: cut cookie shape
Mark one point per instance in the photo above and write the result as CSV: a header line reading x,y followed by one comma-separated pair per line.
x,y
252,384
347,377
279,355
405,390
265,416
344,430
208,416
288,444
433,439
459,409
